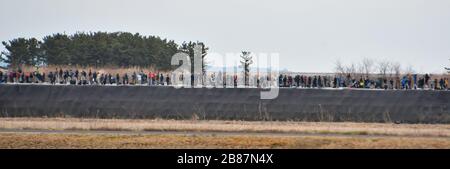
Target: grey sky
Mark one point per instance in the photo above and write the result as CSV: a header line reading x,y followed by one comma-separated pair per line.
x,y
309,35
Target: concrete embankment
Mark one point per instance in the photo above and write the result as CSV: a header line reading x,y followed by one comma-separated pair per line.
x,y
225,104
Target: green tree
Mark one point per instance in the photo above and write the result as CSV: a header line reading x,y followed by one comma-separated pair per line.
x,y
246,62
57,49
96,49
35,53
20,52
189,49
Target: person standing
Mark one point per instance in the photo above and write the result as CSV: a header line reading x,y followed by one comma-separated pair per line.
x,y
157,79
427,79
90,80
435,84
410,81
50,76
150,80
446,84
167,80
20,76
83,77
415,81
77,76
109,79
138,78
133,78
101,78
66,76
60,80
297,80
441,84
94,77
117,79
125,79
153,78
280,80
235,81
319,81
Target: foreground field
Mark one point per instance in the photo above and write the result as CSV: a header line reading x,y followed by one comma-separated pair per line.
x,y
346,128
28,140
121,133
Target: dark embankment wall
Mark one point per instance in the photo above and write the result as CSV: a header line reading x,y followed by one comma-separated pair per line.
x,y
225,104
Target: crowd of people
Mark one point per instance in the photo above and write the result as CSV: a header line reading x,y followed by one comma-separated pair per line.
x,y
407,82
77,77
89,77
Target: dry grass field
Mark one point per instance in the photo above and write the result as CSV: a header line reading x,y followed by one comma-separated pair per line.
x,y
125,133
83,141
346,128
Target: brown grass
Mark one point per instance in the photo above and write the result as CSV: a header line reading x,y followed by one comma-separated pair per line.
x,y
177,141
344,128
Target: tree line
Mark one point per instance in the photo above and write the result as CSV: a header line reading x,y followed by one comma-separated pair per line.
x,y
97,49
367,67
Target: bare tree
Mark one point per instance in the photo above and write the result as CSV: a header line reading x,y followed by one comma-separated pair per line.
x,y
367,66
359,69
351,69
339,68
409,70
447,68
396,68
383,67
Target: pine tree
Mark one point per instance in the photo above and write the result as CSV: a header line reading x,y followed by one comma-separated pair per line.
x,y
246,62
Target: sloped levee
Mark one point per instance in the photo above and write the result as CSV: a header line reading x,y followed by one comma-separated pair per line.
x,y
224,104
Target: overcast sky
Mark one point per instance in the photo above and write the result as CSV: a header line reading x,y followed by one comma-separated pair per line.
x,y
309,35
